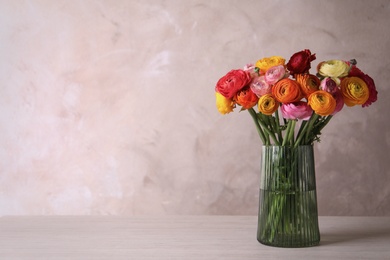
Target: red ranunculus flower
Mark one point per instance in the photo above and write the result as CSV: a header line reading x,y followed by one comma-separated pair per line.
x,y
232,82
300,62
354,71
371,88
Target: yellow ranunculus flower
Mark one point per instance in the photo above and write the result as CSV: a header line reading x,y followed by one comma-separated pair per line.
x,y
265,63
267,104
224,105
334,69
354,90
322,102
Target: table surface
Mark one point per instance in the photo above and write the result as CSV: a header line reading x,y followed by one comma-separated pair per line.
x,y
181,237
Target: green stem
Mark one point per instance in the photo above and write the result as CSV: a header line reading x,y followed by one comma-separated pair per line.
x,y
274,127
278,126
253,113
292,131
289,132
325,122
276,212
268,121
301,134
312,120
270,133
265,119
303,124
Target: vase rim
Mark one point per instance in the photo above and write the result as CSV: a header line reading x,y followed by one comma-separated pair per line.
x,y
289,146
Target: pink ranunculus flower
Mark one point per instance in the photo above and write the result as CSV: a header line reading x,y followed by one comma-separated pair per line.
x,y
251,69
329,85
260,87
296,110
338,96
274,74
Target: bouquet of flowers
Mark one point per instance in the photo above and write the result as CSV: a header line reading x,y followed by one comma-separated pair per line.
x,y
275,88
293,106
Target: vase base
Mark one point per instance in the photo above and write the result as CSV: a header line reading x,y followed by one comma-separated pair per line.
x,y
291,245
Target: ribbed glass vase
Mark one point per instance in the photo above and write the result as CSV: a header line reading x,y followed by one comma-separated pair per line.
x,y
288,215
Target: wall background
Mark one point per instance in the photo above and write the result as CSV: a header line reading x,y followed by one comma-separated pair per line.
x,y
107,107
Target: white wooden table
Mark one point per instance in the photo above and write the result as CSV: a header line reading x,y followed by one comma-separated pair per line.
x,y
182,237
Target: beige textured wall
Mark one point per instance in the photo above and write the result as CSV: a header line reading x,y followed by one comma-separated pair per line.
x,y
107,107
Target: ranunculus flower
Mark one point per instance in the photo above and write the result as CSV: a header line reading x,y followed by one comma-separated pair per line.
x,y
267,104
300,62
328,85
296,110
339,101
275,73
287,91
224,105
356,72
260,87
246,98
308,82
322,102
334,69
232,82
373,96
251,69
265,63
354,90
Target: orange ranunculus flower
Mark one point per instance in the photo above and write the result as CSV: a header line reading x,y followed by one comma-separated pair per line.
x,y
267,104
265,63
354,90
287,91
224,105
356,72
322,102
246,98
308,82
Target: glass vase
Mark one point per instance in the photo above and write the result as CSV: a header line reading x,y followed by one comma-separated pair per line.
x,y
288,215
